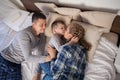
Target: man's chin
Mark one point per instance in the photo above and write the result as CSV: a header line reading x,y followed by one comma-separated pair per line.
x,y
42,32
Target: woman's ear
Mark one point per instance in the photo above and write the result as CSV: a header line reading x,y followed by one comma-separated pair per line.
x,y
54,31
70,35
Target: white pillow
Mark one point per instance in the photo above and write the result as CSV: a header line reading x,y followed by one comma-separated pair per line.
x,y
51,18
92,35
5,7
16,19
69,12
46,7
97,18
19,4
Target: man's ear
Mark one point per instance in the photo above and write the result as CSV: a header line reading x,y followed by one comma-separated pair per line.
x,y
33,23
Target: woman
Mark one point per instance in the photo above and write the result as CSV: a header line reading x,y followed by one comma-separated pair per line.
x,y
70,62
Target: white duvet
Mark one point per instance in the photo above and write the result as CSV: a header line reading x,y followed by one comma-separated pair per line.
x,y
102,67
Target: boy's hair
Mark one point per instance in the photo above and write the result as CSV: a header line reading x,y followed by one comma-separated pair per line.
x,y
77,30
38,15
55,24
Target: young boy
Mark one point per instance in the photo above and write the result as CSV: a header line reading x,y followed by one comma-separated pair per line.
x,y
70,62
58,29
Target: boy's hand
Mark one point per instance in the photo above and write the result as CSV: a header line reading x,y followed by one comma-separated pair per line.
x,y
73,40
48,58
52,52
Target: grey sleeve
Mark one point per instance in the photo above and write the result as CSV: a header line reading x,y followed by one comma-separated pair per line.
x,y
25,44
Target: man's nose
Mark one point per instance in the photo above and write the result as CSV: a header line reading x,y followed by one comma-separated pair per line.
x,y
44,26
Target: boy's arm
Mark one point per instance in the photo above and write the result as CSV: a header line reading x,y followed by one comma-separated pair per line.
x,y
48,58
55,42
52,52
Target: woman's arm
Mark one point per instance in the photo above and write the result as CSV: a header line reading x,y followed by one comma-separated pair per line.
x,y
73,40
58,63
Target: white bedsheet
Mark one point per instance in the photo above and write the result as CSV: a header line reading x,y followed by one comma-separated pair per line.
x,y
102,67
117,61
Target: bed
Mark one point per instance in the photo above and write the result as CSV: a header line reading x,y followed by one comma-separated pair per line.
x,y
105,36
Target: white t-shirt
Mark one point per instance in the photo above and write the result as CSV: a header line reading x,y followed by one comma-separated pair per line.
x,y
56,41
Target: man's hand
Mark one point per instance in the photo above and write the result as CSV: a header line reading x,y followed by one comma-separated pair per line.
x,y
52,52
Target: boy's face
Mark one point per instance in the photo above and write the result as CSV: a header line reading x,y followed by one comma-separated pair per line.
x,y
39,26
67,35
60,29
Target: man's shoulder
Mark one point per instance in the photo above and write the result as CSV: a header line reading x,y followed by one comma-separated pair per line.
x,y
24,33
26,30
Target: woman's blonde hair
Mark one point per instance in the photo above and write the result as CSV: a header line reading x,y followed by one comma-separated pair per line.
x,y
77,30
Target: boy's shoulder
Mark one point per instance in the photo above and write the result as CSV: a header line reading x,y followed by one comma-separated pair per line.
x,y
56,37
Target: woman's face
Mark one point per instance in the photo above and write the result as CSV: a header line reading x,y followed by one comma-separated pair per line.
x,y
67,35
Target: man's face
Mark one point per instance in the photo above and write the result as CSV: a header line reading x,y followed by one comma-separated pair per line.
x,y
39,26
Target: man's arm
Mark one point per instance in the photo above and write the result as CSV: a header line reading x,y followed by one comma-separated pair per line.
x,y
26,49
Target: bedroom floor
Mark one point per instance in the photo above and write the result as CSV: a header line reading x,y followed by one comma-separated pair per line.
x,y
117,77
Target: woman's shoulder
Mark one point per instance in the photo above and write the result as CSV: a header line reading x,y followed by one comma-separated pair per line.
x,y
74,46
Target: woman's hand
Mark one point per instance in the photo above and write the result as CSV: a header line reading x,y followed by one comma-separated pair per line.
x,y
73,40
52,52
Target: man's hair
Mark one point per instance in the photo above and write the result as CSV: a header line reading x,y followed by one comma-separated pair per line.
x,y
38,15
55,24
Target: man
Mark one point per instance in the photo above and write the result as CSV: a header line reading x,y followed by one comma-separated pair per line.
x,y
21,49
